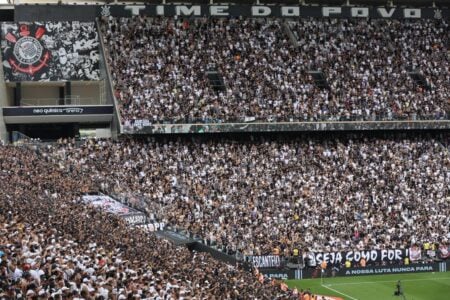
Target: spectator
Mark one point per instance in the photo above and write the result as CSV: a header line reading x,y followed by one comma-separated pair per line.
x,y
365,62
255,196
54,247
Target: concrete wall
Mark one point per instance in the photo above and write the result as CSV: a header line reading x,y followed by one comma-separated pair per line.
x,y
40,95
88,93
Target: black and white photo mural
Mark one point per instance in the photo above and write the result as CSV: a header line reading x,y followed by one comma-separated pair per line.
x,y
50,51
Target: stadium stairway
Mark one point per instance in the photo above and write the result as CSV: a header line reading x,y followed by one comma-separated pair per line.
x,y
195,245
3,103
181,238
216,80
319,79
176,238
419,79
116,124
290,34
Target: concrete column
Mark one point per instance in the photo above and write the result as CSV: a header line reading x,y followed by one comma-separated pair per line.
x,y
18,94
68,92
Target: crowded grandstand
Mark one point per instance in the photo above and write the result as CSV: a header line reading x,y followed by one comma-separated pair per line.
x,y
117,215
267,74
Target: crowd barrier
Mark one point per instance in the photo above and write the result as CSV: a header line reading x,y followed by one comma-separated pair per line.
x,y
308,273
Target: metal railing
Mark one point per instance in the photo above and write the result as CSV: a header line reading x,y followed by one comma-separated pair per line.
x,y
71,100
117,124
297,119
18,138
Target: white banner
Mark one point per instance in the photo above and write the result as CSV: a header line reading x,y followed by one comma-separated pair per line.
x,y
110,205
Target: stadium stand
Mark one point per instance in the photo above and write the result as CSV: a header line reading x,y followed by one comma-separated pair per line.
x,y
367,69
321,195
246,195
251,197
53,247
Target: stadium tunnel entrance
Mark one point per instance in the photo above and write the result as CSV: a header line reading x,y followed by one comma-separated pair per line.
x,y
44,131
51,132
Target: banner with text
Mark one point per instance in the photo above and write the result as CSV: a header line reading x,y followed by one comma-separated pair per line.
x,y
371,256
61,110
265,261
281,274
152,227
279,11
373,270
90,12
413,268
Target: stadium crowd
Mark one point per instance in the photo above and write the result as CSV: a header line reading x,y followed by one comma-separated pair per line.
x,y
54,247
258,195
367,63
163,76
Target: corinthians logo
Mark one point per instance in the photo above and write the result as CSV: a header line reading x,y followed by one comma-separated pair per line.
x,y
28,50
29,55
